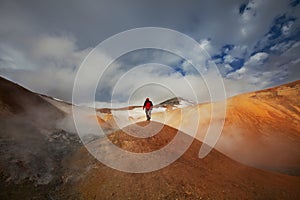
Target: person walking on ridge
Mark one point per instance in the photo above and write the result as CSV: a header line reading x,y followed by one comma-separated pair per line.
x,y
148,108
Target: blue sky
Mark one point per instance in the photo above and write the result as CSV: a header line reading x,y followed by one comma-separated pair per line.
x,y
254,43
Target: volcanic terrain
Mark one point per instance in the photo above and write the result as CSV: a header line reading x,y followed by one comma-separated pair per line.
x,y
41,157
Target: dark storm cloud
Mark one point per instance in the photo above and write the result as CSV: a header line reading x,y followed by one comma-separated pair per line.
x,y
92,21
42,43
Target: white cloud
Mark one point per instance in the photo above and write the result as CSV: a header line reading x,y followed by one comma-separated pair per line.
x,y
47,66
239,51
143,81
297,44
53,47
283,46
251,75
287,28
251,10
237,75
12,58
228,59
205,44
257,59
228,67
296,61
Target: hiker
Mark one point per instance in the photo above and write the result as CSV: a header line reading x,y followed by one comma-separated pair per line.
x,y
148,108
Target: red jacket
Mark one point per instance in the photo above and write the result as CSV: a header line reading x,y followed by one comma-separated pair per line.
x,y
148,105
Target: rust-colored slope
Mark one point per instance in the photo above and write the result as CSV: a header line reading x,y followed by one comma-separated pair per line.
x,y
263,128
214,177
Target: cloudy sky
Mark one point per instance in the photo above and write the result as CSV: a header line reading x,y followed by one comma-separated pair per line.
x,y
255,44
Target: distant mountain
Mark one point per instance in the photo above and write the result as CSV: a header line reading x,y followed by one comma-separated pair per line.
x,y
176,102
